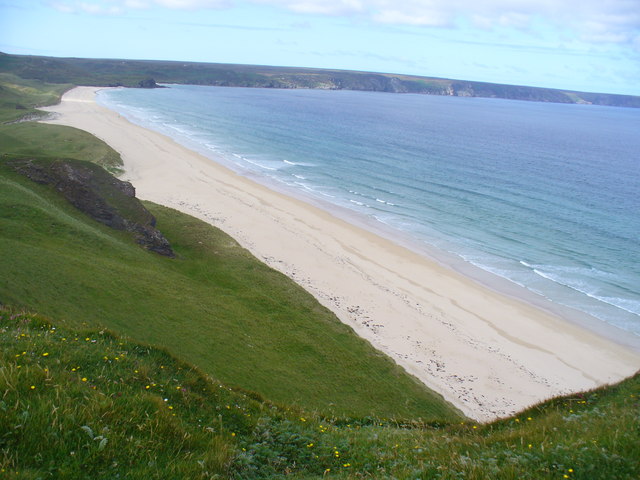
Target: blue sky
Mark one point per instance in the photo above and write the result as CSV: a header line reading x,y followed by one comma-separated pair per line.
x,y
588,45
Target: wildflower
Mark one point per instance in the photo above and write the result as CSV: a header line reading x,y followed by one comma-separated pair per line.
x,y
530,446
570,470
45,354
84,379
309,445
302,419
233,434
33,387
87,339
170,407
346,465
147,387
529,419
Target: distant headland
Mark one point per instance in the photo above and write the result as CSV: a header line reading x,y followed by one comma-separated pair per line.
x,y
148,73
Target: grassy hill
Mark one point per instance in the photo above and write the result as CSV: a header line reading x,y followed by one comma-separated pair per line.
x,y
19,97
87,404
111,72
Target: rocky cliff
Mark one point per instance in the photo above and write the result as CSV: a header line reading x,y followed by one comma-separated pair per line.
x,y
94,191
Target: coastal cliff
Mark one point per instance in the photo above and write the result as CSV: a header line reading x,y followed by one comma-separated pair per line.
x,y
95,192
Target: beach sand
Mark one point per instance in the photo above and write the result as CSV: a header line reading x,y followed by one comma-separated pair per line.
x,y
487,353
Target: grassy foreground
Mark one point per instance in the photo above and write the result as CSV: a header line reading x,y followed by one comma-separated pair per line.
x,y
86,404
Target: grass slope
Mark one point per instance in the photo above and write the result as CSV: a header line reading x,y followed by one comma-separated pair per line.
x,y
19,97
56,141
87,404
215,305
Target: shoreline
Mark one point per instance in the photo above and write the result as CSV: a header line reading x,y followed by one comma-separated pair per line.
x,y
488,353
486,278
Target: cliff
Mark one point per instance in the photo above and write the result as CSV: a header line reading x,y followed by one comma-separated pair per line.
x,y
95,192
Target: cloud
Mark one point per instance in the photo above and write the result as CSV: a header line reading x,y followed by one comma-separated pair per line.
x,y
593,21
117,7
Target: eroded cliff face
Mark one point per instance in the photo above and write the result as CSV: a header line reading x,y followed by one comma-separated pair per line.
x,y
95,192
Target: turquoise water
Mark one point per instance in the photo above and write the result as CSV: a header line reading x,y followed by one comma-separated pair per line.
x,y
544,195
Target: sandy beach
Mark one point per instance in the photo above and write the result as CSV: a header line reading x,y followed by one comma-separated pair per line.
x,y
487,353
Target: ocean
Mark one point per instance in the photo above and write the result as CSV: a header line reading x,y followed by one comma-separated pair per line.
x,y
546,196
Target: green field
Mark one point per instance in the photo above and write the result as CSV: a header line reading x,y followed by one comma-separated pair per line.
x,y
87,404
213,365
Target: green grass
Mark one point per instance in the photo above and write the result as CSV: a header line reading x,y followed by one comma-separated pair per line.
x,y
88,404
19,97
57,141
215,306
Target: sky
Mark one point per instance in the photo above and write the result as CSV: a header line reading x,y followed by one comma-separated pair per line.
x,y
584,45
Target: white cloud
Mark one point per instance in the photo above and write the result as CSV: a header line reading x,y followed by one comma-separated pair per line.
x,y
610,21
111,7
594,21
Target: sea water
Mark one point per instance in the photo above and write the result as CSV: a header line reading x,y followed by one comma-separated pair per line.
x,y
544,195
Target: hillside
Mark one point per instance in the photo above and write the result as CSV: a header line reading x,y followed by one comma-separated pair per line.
x,y
88,404
145,73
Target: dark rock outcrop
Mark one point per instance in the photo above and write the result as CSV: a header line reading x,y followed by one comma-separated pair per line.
x,y
94,191
149,83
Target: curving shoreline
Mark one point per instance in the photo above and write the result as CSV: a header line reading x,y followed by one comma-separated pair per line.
x,y
488,354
